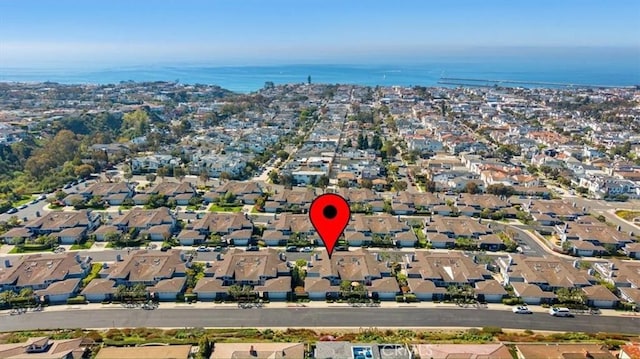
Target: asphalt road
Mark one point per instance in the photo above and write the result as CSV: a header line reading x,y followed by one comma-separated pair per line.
x,y
307,317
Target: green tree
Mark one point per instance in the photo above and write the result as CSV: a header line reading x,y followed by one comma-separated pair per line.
x,y
162,172
323,181
204,177
366,183
84,170
179,173
150,177
283,155
225,176
471,187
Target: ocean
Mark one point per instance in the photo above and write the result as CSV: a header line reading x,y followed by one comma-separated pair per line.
x,y
595,70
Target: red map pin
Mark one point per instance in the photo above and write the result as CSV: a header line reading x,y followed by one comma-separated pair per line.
x,y
329,214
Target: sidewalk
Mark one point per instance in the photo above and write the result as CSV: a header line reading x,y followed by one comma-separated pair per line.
x,y
320,305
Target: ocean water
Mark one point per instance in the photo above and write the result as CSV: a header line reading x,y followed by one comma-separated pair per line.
x,y
579,70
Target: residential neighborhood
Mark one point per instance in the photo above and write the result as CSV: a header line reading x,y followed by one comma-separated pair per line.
x,y
483,197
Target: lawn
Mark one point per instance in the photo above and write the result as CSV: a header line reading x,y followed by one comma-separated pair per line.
x,y
628,215
95,271
24,200
85,245
216,208
16,250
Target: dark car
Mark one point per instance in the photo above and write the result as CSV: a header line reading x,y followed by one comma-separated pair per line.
x,y
253,249
165,248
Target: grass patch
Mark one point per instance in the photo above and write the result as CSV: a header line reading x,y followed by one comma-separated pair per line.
x,y
27,249
24,200
95,271
217,208
86,245
628,215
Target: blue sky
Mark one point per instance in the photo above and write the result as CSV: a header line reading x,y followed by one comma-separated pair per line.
x,y
230,32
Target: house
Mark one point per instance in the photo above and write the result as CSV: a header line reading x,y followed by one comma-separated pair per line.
x,y
288,224
631,295
441,241
68,226
563,210
222,224
425,290
101,233
406,239
490,242
274,238
144,219
99,290
181,192
189,237
620,273
258,350
632,250
209,288
601,297
168,289
44,347
457,227
16,235
548,274
562,351
112,192
266,270
156,352
247,192
532,294
467,351
146,267
445,268
59,292
490,291
596,233
340,349
358,266
41,271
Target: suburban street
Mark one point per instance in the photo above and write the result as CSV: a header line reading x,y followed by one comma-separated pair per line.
x,y
313,318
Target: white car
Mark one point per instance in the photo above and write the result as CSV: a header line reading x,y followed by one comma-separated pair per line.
x,y
522,310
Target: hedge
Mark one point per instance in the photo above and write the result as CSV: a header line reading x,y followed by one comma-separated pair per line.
x,y
77,300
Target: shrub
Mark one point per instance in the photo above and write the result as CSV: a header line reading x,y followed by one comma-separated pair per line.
x,y
512,301
492,330
77,300
95,336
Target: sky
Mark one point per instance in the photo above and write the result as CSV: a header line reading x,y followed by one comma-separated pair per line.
x,y
254,32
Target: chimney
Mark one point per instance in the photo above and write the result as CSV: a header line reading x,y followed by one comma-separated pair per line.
x,y
7,263
118,257
253,352
619,228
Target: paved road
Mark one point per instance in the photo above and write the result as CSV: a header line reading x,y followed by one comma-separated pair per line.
x,y
307,317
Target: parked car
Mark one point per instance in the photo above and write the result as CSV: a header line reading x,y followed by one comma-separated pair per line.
x,y
253,249
560,312
203,249
523,309
12,210
306,249
292,249
165,248
23,206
